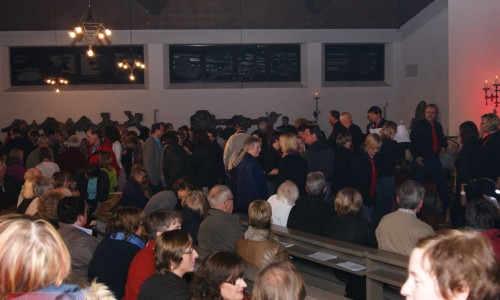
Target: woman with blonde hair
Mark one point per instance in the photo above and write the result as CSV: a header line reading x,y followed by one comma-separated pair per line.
x,y
35,260
293,165
453,264
363,177
34,187
194,209
260,247
250,176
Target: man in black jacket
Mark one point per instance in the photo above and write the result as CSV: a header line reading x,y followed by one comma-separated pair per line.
x,y
319,156
427,143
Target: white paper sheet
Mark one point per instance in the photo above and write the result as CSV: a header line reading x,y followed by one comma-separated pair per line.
x,y
322,256
351,266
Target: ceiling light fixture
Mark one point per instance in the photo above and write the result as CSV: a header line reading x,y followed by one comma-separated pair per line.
x,y
132,60
57,82
54,80
90,31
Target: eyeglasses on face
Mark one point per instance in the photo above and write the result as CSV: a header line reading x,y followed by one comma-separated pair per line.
x,y
237,280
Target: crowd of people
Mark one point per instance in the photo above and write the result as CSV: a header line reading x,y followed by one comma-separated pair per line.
x,y
188,189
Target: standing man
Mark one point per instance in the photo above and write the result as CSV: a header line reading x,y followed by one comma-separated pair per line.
x,y
375,118
427,143
319,156
353,130
153,149
285,126
334,119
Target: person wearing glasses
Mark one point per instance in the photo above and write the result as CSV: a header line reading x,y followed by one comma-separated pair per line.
x,y
221,276
174,257
221,230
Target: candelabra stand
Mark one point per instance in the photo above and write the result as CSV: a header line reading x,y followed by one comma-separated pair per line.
x,y
493,97
317,111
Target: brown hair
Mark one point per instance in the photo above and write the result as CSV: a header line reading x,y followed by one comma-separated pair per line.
x,y
389,130
259,214
348,202
461,261
216,269
169,249
124,219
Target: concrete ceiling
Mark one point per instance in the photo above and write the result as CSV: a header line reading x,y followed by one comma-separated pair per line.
x,y
29,15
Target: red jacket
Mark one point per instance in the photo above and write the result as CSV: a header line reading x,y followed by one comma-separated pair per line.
x,y
104,146
141,268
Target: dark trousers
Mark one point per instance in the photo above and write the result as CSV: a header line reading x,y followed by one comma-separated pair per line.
x,y
432,168
384,198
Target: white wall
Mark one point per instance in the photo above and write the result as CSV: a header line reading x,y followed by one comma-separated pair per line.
x,y
474,57
177,105
424,42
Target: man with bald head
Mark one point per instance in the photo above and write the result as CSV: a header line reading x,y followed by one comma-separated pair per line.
x,y
221,230
353,130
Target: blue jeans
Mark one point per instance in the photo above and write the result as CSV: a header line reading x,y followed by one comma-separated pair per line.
x,y
432,168
384,198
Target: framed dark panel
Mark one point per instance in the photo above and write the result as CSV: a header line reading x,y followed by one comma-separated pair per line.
x,y
31,65
234,63
354,62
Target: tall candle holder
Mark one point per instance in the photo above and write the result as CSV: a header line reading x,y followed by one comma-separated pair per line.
x,y
317,111
493,98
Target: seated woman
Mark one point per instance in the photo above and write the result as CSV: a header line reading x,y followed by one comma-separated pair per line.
x,y
35,260
15,164
259,246
282,202
453,264
348,226
47,165
221,276
195,208
133,194
93,185
174,257
32,192
114,254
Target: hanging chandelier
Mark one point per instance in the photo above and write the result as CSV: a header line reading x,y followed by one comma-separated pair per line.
x,y
132,61
89,31
57,82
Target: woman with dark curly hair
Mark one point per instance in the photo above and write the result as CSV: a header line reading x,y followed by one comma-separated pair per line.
x,y
220,277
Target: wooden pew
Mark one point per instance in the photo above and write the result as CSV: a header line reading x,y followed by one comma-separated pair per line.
x,y
382,267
